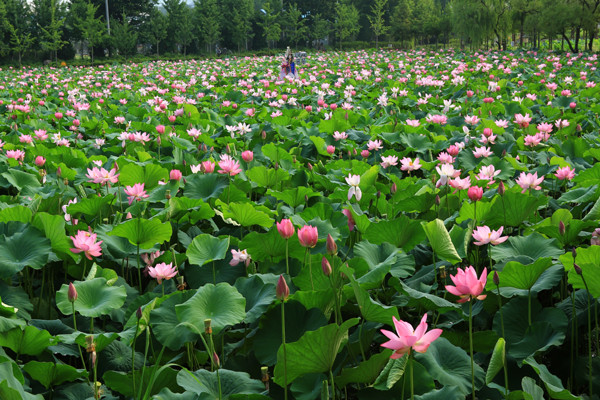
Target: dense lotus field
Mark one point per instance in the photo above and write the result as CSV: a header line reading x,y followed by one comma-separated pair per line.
x,y
390,225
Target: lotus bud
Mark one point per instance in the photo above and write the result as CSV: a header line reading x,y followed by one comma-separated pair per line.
x,y
310,167
437,200
394,188
496,278
208,326
501,188
93,357
72,293
574,253
138,313
578,269
264,135
325,266
561,228
378,194
282,291
216,359
331,246
475,193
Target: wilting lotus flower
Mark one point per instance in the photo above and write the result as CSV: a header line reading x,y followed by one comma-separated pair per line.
x,y
354,181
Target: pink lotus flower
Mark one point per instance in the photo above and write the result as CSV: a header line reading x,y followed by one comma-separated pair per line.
x,y
160,129
482,152
247,156
285,228
85,242
240,256
522,120
339,135
467,286
389,161
175,175
413,122
445,158
135,192
40,161
565,173
533,140
488,173
407,338
461,184
330,149
446,172
351,222
453,150
374,145
410,165
483,235
308,236
208,167
229,167
475,193
354,181
162,271
529,181
436,119
18,155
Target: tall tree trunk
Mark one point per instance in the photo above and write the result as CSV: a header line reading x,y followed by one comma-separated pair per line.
x,y
577,36
568,42
522,30
591,41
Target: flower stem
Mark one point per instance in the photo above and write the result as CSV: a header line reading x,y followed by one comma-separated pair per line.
x,y
412,371
471,348
284,351
287,257
137,327
589,315
529,306
139,260
332,385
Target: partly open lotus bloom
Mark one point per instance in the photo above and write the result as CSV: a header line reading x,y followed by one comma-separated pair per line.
x,y
229,167
467,285
565,173
354,181
484,235
407,338
162,271
529,181
135,192
351,222
241,256
308,236
85,242
285,228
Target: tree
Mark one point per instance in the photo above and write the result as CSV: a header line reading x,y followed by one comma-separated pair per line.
x,y
158,28
242,23
295,24
271,28
402,17
320,28
92,28
175,10
377,20
20,41
346,24
52,33
208,21
185,33
124,38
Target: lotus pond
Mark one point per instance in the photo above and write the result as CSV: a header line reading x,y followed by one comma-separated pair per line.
x,y
391,225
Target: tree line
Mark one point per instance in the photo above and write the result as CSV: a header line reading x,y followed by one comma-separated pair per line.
x,y
37,30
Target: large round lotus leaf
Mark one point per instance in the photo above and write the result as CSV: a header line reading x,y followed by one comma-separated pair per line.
x,y
221,385
222,304
94,298
144,232
450,365
164,322
27,248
